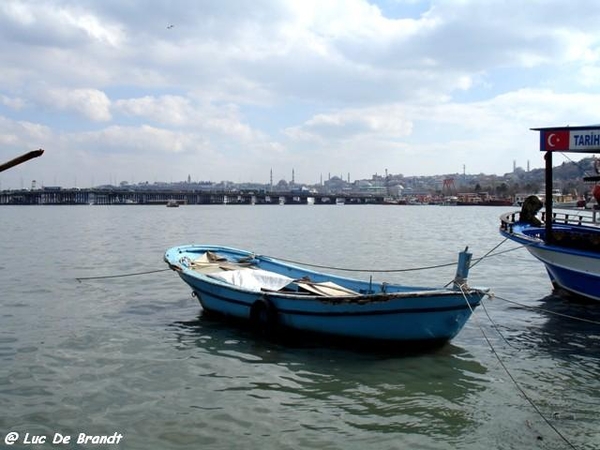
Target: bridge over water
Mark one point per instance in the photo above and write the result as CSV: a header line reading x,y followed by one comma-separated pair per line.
x,y
58,196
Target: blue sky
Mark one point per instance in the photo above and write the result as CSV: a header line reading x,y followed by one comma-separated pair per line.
x,y
230,90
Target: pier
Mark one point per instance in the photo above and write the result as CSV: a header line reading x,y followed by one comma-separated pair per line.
x,y
59,196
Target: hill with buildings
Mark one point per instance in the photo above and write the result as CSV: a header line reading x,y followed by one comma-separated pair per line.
x,y
568,179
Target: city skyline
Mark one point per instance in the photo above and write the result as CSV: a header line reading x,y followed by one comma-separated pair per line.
x,y
112,181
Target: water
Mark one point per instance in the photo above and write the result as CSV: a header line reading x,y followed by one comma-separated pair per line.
x,y
135,356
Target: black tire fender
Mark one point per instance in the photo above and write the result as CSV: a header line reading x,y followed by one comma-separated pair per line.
x,y
263,316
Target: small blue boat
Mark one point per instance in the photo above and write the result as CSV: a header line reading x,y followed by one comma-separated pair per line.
x,y
274,295
566,241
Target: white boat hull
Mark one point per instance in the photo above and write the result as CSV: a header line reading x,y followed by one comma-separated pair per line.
x,y
573,262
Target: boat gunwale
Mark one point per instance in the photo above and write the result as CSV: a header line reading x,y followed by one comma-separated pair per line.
x,y
360,298
531,235
476,299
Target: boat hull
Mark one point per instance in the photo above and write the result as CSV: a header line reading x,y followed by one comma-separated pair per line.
x,y
399,314
573,270
575,273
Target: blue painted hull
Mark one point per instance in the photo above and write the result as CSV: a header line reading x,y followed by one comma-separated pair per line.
x,y
374,312
575,270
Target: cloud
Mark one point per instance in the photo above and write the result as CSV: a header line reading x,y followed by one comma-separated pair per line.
x,y
168,109
57,24
91,103
386,121
184,113
21,135
15,103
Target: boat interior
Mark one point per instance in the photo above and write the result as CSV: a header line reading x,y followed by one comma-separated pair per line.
x,y
261,273
246,273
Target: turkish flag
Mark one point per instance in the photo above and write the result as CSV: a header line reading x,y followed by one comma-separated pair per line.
x,y
556,140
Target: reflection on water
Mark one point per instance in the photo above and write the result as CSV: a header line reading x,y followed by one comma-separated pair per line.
x,y
559,326
370,391
571,329
551,349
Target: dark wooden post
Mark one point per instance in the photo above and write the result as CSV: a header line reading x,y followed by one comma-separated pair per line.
x,y
548,158
21,159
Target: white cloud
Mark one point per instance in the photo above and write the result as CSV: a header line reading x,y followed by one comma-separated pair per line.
x,y
385,121
168,109
59,21
15,103
91,103
183,113
24,134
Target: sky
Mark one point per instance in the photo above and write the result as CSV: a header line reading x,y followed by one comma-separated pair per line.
x,y
237,90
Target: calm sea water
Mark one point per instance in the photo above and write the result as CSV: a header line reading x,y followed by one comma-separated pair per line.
x,y
134,355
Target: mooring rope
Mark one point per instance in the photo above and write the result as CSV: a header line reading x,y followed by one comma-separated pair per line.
x,y
539,308
346,269
495,326
577,163
489,254
80,279
517,385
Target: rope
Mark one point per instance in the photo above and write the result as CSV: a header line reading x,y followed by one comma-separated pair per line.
x,y
412,269
342,269
495,326
584,170
488,253
520,389
345,269
121,275
548,311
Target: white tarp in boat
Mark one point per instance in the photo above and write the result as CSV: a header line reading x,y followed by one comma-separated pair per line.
x,y
253,280
210,262
326,289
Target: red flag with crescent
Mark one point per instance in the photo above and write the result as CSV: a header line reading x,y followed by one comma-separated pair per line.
x,y
556,140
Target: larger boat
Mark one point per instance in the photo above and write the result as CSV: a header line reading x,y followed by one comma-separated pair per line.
x,y
566,241
274,295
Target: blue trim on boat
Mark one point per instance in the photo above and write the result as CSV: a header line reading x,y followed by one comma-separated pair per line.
x,y
199,292
577,282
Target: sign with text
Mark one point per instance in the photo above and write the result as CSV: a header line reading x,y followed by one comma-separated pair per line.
x,y
574,139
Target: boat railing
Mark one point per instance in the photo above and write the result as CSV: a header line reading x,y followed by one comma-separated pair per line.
x,y
574,218
571,217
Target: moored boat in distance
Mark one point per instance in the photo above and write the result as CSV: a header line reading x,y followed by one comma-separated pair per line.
x,y
567,241
172,203
276,296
